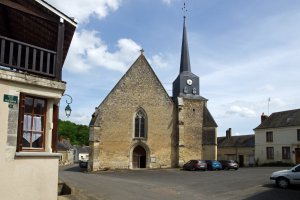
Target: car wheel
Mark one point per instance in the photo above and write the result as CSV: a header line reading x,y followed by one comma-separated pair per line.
x,y
282,182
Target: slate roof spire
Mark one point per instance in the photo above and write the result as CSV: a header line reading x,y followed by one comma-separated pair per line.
x,y
186,84
185,57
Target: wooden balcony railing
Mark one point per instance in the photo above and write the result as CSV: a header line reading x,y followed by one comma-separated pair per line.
x,y
25,57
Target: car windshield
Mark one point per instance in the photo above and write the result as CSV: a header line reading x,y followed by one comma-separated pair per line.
x,y
296,168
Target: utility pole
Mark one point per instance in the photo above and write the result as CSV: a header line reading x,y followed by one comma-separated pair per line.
x,y
269,99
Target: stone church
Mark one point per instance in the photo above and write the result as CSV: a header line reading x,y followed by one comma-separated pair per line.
x,y
138,125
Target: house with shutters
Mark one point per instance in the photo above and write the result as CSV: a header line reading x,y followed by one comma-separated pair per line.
x,y
138,125
34,42
277,138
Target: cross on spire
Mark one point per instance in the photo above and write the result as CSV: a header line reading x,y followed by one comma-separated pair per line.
x,y
142,51
184,10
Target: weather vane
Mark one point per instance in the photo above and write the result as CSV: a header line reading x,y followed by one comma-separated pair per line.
x,y
184,10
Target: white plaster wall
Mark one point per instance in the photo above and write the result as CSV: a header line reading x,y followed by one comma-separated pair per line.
x,y
33,177
282,137
29,179
3,118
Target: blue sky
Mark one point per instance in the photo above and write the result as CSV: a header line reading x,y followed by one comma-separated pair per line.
x,y
244,52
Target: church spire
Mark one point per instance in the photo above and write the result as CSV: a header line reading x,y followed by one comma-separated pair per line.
x,y
185,57
186,84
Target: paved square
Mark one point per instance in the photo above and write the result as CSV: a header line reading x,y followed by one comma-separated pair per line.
x,y
170,184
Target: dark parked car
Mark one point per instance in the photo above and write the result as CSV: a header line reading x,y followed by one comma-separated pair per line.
x,y
229,164
195,165
83,163
213,165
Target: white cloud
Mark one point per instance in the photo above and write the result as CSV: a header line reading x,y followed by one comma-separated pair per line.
x,y
89,51
267,88
78,117
242,111
159,60
277,102
168,2
237,134
82,10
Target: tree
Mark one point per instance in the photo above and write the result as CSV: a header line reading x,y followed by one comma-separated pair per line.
x,y
77,134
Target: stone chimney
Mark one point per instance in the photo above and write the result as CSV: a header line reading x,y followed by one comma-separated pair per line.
x,y
263,117
228,133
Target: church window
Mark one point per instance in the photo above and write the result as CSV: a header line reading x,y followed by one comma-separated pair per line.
x,y
140,124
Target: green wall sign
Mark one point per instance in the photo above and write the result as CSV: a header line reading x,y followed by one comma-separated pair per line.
x,y
10,99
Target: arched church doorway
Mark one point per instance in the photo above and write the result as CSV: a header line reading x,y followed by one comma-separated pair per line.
x,y
139,158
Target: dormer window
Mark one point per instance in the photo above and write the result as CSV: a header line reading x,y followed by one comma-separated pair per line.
x,y
140,124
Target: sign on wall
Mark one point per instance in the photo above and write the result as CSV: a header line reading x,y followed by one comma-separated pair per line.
x,y
10,99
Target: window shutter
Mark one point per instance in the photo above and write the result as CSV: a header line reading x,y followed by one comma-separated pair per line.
x,y
20,121
54,130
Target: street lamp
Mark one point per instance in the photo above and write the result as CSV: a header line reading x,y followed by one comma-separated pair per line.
x,y
68,109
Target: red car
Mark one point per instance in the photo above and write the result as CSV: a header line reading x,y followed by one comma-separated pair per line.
x,y
195,165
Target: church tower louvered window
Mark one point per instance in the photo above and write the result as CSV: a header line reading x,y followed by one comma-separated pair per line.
x,y
140,124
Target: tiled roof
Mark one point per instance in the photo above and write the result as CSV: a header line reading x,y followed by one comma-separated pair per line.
x,y
62,147
281,119
237,141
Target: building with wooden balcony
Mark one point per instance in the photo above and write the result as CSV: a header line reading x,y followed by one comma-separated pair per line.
x,y
34,42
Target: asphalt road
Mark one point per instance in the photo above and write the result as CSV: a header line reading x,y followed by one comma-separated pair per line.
x,y
170,184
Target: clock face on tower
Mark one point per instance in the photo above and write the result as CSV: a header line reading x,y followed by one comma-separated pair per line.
x,y
189,82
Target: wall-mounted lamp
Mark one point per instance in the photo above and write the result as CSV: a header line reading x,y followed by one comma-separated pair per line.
x,y
68,109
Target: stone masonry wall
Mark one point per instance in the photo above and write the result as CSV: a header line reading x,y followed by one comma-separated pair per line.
x,y
209,147
112,135
190,130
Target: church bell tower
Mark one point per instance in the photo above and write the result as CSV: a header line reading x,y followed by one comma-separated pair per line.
x,y
196,126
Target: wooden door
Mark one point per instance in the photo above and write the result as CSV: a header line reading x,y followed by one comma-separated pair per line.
x,y
139,157
297,155
241,160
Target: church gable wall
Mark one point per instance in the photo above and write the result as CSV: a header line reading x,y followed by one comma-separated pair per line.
x,y
112,137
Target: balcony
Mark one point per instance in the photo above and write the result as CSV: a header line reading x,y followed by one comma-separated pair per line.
x,y
27,58
34,38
